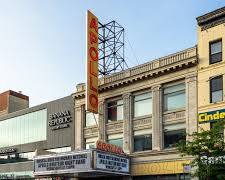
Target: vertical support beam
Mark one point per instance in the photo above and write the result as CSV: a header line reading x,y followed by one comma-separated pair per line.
x,y
102,121
191,104
157,129
79,127
127,124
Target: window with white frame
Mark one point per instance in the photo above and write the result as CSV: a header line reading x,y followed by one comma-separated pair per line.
x,y
116,139
174,97
173,134
143,104
115,110
91,119
142,140
90,142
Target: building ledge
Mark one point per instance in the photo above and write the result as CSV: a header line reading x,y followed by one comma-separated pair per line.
x,y
177,61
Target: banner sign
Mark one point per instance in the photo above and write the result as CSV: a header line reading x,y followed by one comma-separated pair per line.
x,y
111,162
62,163
211,116
92,63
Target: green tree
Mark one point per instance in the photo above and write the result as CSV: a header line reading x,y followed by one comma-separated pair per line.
x,y
207,148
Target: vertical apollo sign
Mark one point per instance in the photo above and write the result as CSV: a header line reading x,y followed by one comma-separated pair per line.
x,y
92,63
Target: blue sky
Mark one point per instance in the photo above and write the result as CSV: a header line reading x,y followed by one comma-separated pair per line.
x,y
42,42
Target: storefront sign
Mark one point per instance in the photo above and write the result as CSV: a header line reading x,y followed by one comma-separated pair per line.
x,y
60,120
64,163
154,168
211,116
8,151
92,63
109,147
110,162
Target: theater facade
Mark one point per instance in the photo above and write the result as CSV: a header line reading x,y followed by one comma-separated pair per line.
x,y
143,112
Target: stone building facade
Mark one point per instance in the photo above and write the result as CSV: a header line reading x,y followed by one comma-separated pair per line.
x,y
138,103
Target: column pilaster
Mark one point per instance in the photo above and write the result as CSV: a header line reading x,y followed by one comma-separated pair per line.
x,y
127,123
157,124
191,104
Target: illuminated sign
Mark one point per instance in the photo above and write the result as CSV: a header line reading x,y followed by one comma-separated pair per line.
x,y
60,120
109,147
92,63
211,116
110,162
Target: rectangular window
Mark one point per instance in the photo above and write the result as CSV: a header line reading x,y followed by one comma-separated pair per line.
x,y
27,128
117,142
90,142
171,138
215,51
115,110
143,104
143,142
174,97
91,119
216,89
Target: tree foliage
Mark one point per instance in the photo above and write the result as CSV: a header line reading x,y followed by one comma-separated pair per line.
x,y
207,148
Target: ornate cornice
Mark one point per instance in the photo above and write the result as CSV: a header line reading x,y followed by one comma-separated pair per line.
x,y
174,62
211,19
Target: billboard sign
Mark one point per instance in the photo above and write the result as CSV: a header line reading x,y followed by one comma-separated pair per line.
x,y
92,63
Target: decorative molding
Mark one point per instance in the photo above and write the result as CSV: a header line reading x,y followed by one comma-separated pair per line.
x,y
144,123
90,132
177,61
114,127
174,116
211,19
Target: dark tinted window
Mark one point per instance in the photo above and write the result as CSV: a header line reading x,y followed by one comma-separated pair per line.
x,y
216,89
143,142
215,51
171,138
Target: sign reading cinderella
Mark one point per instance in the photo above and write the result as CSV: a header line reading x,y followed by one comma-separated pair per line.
x,y
211,116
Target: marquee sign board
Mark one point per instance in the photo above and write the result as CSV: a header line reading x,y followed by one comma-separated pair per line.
x,y
112,162
72,162
94,161
92,63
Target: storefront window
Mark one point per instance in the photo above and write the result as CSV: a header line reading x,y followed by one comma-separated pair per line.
x,y
24,129
174,97
60,150
91,119
143,104
17,175
17,157
115,110
117,142
171,138
142,142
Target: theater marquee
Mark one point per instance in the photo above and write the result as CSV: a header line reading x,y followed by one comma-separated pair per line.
x,y
92,63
